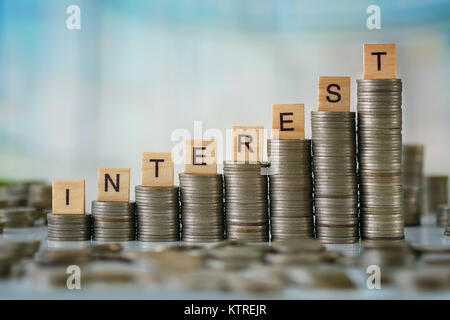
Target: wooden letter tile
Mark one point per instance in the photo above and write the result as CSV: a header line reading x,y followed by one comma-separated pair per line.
x,y
247,144
380,61
334,94
157,169
68,197
288,121
200,156
113,184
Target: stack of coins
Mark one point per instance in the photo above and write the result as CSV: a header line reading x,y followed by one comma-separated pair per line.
x,y
437,193
18,217
157,210
40,197
13,195
66,227
202,216
290,189
246,201
335,181
412,183
113,221
442,215
447,229
380,153
19,191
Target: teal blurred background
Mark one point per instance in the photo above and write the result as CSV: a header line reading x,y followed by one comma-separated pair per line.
x,y
74,100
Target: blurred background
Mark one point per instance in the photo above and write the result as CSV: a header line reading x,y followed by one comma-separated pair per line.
x,y
137,70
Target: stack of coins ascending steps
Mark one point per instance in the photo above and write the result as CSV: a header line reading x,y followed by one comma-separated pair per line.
x,y
113,221
290,189
202,217
157,210
246,204
335,181
380,158
65,227
412,159
437,193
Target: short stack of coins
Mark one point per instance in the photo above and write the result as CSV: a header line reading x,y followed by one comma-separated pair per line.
x,y
437,193
69,227
412,159
246,201
442,215
40,197
157,210
202,216
335,180
18,217
379,154
113,221
447,229
290,189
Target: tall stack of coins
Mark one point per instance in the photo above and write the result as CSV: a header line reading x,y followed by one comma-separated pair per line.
x,y
202,216
157,210
65,227
246,204
380,153
412,183
40,197
437,193
335,182
113,221
442,215
290,189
